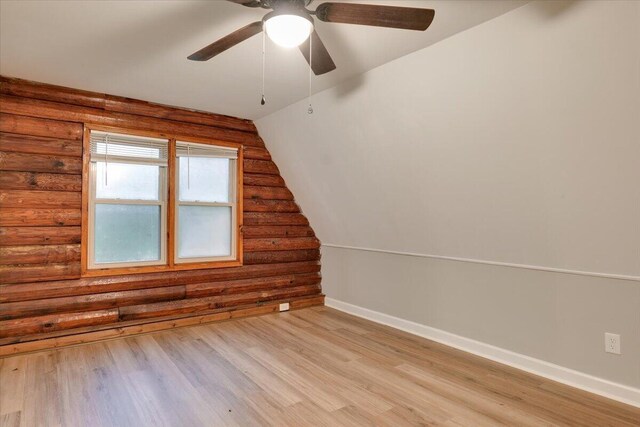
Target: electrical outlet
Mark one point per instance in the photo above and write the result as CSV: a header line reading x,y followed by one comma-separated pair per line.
x,y
284,306
612,343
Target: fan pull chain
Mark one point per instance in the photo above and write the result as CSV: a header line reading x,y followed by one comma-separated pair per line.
x,y
264,36
310,109
106,158
188,165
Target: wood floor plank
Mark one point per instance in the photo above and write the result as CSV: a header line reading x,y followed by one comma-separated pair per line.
x,y
354,392
314,391
10,419
310,367
114,405
12,386
226,341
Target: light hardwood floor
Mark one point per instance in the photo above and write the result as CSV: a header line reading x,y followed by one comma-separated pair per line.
x,y
312,367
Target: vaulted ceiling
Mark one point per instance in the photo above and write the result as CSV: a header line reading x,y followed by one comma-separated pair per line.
x,y
139,48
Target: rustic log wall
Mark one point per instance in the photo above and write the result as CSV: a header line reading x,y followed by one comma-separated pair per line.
x,y
44,301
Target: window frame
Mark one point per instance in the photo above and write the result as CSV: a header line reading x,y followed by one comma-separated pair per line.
x,y
232,189
169,215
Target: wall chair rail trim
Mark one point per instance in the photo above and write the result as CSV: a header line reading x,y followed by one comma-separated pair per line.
x,y
487,262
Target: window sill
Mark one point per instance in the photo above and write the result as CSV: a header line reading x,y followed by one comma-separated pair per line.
x,y
101,272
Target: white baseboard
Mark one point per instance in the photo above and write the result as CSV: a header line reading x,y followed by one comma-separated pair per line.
x,y
609,389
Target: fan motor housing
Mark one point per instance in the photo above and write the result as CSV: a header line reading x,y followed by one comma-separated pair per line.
x,y
286,5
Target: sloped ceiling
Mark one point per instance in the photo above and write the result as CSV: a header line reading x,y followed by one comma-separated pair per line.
x,y
139,48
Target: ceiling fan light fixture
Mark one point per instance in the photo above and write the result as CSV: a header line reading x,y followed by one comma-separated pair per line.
x,y
288,29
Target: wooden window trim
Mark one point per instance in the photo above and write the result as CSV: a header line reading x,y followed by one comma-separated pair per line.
x,y
171,205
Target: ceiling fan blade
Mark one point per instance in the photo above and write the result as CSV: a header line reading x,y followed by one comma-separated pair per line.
x,y
227,41
321,61
248,3
407,18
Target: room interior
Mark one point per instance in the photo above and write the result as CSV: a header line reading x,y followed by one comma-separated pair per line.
x,y
295,212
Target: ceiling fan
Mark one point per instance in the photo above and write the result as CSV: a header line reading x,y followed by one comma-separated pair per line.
x,y
291,24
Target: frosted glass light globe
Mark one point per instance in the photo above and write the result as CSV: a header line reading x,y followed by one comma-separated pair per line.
x,y
288,30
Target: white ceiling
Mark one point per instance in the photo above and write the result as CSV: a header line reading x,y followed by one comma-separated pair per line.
x,y
138,49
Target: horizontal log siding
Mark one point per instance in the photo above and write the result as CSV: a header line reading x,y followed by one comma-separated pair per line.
x,y
17,236
41,292
39,254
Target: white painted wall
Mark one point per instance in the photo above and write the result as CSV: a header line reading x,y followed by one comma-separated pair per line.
x,y
517,141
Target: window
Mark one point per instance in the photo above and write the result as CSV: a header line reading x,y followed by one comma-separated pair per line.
x,y
134,189
127,209
205,202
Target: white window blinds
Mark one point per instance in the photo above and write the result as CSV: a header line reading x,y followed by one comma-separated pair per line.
x,y
189,149
114,147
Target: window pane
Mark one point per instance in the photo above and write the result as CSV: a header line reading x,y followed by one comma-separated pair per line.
x,y
204,231
127,233
204,179
127,181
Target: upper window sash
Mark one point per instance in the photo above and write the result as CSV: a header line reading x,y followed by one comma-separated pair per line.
x,y
114,147
190,149
191,155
